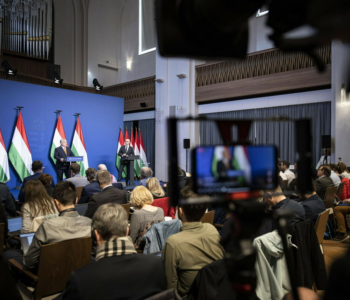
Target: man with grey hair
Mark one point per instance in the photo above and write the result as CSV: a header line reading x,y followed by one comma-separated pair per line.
x,y
60,154
103,167
108,194
124,152
118,269
146,173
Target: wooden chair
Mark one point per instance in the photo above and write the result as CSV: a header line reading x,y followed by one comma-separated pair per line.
x,y
340,190
320,226
2,237
208,217
78,190
285,184
57,261
329,196
127,209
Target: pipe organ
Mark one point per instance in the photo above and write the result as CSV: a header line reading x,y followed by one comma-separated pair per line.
x,y
26,27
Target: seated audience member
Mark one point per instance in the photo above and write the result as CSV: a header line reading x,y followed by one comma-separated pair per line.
x,y
118,270
323,181
92,188
340,213
145,174
289,174
281,174
343,170
7,200
312,204
102,167
76,178
67,226
334,177
304,294
108,194
38,203
37,168
195,246
144,216
277,201
46,180
154,187
346,189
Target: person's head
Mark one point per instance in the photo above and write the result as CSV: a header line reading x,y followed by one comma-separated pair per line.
x,y
146,172
334,168
75,168
342,167
38,199
127,142
110,222
327,151
102,167
37,166
285,165
295,167
154,187
103,178
64,195
45,179
91,174
304,294
140,197
63,143
310,193
279,164
272,197
324,170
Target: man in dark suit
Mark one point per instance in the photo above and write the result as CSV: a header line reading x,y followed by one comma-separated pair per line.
x,y
313,205
37,168
90,189
124,152
118,269
7,200
62,166
323,181
109,194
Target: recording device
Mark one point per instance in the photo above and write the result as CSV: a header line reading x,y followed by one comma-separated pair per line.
x,y
225,169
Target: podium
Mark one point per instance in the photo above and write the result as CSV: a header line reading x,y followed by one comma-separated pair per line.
x,y
131,159
75,158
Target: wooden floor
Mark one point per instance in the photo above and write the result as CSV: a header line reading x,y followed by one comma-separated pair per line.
x,y
333,250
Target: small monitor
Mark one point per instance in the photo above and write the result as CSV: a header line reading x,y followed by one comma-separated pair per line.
x,y
14,224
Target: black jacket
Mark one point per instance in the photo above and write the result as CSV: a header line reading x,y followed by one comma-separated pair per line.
x,y
131,276
88,191
307,259
59,153
6,199
108,195
21,195
122,151
313,207
322,184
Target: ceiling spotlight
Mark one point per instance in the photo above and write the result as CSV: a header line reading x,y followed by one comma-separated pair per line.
x,y
58,79
8,69
97,86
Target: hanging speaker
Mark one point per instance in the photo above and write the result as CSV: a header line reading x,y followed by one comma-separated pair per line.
x,y
326,141
186,143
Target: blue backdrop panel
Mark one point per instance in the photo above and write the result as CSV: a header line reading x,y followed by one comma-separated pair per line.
x,y
101,117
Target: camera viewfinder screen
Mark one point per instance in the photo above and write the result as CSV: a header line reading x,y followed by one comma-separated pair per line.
x,y
230,169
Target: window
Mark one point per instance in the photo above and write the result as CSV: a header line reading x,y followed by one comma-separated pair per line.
x,y
147,26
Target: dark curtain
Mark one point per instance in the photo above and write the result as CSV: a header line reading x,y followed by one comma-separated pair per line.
x,y
281,134
147,128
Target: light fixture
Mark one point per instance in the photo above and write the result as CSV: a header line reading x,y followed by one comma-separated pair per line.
x,y
144,104
8,69
128,64
97,86
181,76
159,80
58,79
343,95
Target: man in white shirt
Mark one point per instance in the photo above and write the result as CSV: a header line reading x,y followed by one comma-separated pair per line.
x,y
103,167
289,174
335,178
281,174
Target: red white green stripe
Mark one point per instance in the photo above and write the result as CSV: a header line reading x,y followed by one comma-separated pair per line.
x,y
79,148
19,153
143,158
4,162
58,136
137,152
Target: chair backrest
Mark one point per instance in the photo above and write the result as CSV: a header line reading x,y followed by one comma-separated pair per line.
x,y
163,203
57,261
285,184
127,209
321,224
2,237
78,190
208,217
329,196
340,190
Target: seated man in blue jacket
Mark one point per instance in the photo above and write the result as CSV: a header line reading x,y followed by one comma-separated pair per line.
x,y
90,189
312,204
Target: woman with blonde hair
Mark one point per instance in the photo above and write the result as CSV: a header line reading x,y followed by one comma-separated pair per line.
x,y
38,203
144,216
155,188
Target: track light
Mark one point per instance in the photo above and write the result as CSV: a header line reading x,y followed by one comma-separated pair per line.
x,y
8,69
58,79
97,86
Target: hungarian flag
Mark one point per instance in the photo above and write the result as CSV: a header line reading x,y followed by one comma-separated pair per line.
x,y
79,148
143,158
120,143
58,136
19,153
137,152
126,134
4,162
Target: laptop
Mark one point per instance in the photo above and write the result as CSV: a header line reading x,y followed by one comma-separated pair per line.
x,y
81,208
26,240
14,226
